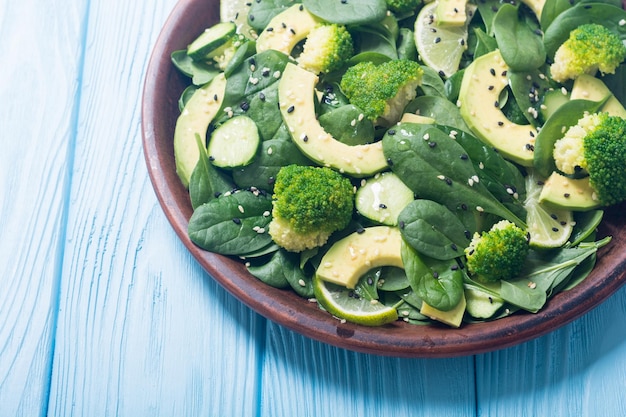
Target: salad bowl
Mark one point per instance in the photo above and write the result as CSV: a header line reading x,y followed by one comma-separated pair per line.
x,y
162,89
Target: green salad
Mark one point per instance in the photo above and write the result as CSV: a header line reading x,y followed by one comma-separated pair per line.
x,y
445,161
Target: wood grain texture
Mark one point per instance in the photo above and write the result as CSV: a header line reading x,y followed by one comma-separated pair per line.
x,y
41,52
578,370
307,378
142,330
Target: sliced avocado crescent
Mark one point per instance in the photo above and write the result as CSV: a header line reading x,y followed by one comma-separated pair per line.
x,y
286,29
567,193
194,119
588,87
296,92
351,257
483,81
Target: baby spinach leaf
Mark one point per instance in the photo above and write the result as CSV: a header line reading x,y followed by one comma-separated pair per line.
x,y
282,271
349,12
443,111
438,283
261,12
432,84
520,43
436,167
374,38
433,230
233,224
206,181
200,72
528,88
544,271
252,89
271,156
406,45
347,125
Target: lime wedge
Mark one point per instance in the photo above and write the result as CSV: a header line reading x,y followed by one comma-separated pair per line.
x,y
440,46
348,305
548,227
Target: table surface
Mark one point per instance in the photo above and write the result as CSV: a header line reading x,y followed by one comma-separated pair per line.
x,y
103,312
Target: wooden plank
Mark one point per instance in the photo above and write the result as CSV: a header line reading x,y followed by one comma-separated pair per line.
x,y
142,330
578,370
305,377
40,46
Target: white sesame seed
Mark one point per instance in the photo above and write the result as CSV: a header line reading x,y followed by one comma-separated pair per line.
x,y
622,22
270,150
480,209
240,207
266,213
426,136
302,283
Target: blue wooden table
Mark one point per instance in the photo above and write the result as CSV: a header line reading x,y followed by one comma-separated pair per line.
x,y
103,312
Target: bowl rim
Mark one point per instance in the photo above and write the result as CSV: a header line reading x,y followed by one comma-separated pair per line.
x,y
287,309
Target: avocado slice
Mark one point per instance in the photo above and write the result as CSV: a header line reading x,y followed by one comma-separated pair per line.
x,y
588,87
194,119
563,192
452,317
479,95
351,257
296,92
451,12
286,29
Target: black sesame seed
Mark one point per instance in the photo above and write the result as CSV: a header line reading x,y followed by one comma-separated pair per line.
x,y
251,17
432,144
496,103
271,180
244,106
211,158
464,157
236,220
301,7
360,230
442,73
370,281
468,234
454,247
389,162
554,216
437,39
391,132
555,229
492,71
382,206
504,73
270,29
265,72
293,32
500,123
464,207
401,224
435,274
261,96
252,61
448,181
491,87
284,25
566,195
305,138
290,109
454,267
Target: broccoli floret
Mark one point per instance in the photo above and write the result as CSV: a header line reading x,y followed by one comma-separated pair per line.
x,y
327,48
382,91
309,204
596,146
589,48
499,253
402,7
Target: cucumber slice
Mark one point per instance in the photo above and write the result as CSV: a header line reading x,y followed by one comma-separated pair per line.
x,y
552,100
210,40
234,143
382,198
481,305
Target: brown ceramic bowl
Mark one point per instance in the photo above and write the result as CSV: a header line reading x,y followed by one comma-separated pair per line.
x,y
163,86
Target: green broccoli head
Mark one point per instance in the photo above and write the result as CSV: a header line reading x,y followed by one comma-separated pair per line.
x,y
326,49
589,48
382,91
310,203
596,146
403,6
499,253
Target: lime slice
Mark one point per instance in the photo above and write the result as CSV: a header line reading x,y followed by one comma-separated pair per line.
x,y
440,46
348,305
548,227
237,11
